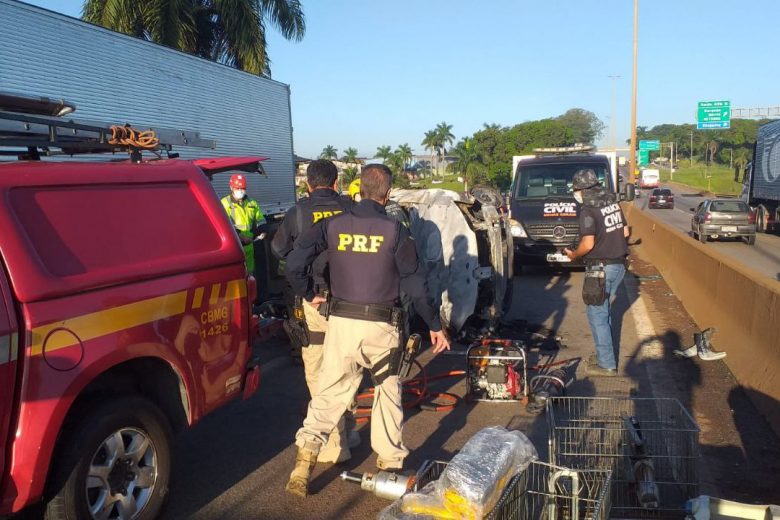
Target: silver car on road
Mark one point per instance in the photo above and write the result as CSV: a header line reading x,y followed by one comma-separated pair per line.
x,y
719,218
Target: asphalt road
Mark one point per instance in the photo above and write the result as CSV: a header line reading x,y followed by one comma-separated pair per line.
x,y
235,463
763,257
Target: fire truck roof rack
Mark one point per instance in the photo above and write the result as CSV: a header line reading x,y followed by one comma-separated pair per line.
x,y
37,125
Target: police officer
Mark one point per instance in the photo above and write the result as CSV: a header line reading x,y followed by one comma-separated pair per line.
x,y
244,212
371,257
603,248
392,208
323,202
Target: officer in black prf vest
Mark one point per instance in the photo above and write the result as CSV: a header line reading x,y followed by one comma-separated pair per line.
x,y
371,259
307,326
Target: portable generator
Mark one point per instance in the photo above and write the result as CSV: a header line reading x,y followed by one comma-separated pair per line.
x,y
497,371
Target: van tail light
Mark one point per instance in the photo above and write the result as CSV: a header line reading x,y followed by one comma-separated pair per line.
x,y
707,217
752,217
251,378
671,198
652,198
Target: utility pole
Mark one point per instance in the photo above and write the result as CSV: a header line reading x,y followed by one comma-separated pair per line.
x,y
691,149
612,117
632,156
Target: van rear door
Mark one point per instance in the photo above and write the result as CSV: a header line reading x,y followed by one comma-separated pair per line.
x,y
8,353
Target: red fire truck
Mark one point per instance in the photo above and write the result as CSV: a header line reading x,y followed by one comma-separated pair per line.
x,y
125,310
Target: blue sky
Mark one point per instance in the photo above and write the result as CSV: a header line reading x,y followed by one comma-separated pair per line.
x,y
374,73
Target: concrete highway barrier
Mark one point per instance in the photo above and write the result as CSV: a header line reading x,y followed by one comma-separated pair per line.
x,y
718,292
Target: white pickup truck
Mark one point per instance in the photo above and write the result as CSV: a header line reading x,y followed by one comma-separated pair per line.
x,y
648,178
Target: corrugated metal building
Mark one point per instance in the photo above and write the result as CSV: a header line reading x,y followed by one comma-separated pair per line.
x,y
117,78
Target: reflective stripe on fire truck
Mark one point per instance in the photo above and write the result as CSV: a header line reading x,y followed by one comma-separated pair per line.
x,y
110,321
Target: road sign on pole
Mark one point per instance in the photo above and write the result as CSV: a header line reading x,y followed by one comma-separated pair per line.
x,y
649,145
713,115
643,157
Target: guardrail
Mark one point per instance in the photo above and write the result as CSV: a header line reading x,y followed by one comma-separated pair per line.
x,y
719,292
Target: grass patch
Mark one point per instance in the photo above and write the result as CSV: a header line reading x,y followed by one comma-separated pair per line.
x,y
720,181
448,183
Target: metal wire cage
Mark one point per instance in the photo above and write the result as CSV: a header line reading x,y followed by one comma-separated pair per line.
x,y
542,492
553,492
650,445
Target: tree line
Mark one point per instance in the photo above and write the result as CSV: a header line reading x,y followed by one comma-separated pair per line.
x,y
733,146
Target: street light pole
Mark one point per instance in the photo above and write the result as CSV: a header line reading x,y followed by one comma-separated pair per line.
x,y
612,118
632,156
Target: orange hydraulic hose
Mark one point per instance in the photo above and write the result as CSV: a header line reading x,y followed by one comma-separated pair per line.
x,y
418,388
129,136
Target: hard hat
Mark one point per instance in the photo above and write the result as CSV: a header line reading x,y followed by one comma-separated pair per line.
x,y
584,179
354,188
238,182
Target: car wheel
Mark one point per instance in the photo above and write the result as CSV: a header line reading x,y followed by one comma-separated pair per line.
x,y
114,463
751,240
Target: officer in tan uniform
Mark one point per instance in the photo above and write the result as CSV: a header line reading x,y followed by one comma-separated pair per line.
x,y
323,202
371,259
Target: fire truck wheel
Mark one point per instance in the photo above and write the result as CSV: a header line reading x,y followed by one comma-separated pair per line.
x,y
115,463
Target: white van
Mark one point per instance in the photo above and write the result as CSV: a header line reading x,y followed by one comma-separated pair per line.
x,y
649,178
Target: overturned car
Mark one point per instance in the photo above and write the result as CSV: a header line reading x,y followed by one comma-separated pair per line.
x,y
465,247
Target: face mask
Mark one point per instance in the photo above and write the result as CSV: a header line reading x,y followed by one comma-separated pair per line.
x,y
578,196
239,194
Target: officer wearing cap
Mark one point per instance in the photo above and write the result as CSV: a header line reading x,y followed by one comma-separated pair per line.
x,y
323,202
371,258
247,218
603,248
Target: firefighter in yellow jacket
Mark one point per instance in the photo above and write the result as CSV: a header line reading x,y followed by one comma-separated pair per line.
x,y
246,217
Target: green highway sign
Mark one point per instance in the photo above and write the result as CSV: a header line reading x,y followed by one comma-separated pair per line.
x,y
649,145
643,157
713,115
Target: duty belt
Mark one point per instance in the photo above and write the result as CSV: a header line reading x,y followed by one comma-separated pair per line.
x,y
609,261
367,312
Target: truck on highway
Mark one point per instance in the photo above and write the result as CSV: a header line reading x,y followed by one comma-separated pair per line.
x,y
543,212
115,77
761,185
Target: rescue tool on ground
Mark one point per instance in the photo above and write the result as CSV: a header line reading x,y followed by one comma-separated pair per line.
x,y
383,484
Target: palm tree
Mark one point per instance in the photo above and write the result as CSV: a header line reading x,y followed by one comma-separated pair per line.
x,y
712,147
230,32
430,142
329,152
384,152
350,156
444,137
740,162
465,156
404,152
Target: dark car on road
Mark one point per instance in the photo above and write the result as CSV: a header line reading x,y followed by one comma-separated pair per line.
x,y
661,198
719,218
